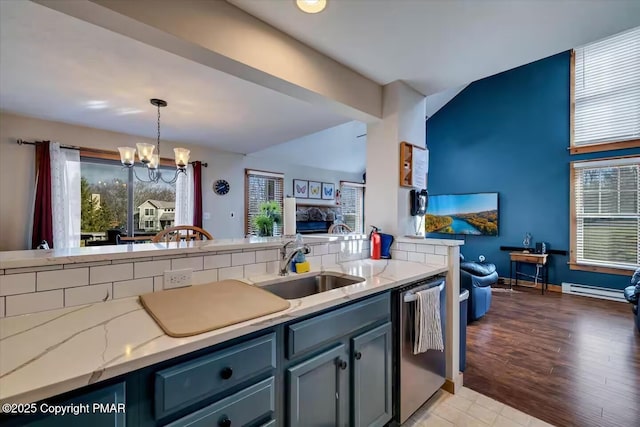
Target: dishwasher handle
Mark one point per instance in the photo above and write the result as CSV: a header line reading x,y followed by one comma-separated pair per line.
x,y
410,295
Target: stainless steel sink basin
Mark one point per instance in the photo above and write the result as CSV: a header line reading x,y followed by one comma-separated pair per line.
x,y
310,285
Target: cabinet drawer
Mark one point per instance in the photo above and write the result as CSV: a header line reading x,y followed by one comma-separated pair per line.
x,y
242,408
189,382
318,330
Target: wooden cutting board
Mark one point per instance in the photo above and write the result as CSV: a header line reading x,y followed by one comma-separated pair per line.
x,y
197,309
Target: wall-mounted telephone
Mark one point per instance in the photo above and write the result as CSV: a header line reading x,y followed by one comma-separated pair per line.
x,y
419,202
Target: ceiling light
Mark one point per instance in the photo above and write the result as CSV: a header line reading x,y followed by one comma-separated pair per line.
x,y
311,6
152,160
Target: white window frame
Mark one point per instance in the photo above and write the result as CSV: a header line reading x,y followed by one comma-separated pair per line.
x,y
247,214
576,263
606,70
355,185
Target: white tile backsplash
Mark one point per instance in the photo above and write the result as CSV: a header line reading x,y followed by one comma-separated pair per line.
x,y
409,247
416,257
243,258
255,269
217,261
266,256
426,249
110,273
399,255
54,286
230,273
318,250
17,283
150,268
442,250
88,294
130,288
203,277
59,279
194,263
34,302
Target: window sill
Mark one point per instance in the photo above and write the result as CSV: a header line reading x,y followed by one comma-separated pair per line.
x,y
604,146
601,269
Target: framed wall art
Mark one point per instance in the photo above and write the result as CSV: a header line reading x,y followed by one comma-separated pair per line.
x,y
300,189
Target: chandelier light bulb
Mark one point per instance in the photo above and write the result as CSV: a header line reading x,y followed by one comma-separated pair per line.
x,y
311,6
127,155
145,151
182,157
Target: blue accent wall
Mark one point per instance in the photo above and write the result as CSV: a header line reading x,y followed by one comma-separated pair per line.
x,y
509,133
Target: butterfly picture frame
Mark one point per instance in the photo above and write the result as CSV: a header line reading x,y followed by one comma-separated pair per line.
x,y
328,191
315,190
300,189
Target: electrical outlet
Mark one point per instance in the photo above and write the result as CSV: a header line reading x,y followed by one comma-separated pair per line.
x,y
177,278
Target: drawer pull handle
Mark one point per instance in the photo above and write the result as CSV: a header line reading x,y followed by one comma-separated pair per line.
x,y
225,422
342,364
226,373
358,355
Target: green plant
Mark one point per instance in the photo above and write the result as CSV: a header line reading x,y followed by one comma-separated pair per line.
x,y
270,214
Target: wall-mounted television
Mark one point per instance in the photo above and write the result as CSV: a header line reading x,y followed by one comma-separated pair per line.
x,y
475,214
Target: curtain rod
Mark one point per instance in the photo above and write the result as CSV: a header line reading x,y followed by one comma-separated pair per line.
x,y
73,147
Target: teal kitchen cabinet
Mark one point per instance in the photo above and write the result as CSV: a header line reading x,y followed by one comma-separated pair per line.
x,y
317,390
350,382
104,407
371,354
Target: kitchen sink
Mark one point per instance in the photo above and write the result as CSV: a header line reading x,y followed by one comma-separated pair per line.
x,y
310,285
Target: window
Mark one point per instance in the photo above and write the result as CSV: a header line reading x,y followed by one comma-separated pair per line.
x,y
606,94
352,203
606,229
104,199
262,187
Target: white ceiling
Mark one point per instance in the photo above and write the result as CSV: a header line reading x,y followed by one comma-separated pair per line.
x,y
439,44
340,148
60,68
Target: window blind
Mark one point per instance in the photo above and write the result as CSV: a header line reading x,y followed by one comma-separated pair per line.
x,y
352,202
607,90
607,213
262,187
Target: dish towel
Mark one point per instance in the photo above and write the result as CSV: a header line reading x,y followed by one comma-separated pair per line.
x,y
428,329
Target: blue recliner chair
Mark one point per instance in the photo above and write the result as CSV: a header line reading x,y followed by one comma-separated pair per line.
x,y
477,278
632,294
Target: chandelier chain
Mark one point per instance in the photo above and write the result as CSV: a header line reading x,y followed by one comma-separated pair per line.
x,y
158,131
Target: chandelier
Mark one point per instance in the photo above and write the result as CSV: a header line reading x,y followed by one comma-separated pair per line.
x,y
147,156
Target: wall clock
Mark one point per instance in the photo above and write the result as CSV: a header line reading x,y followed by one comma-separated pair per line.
x,y
221,187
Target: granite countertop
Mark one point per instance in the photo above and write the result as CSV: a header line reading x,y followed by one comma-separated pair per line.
x,y
48,353
37,258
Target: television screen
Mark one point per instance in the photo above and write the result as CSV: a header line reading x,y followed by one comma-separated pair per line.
x,y
463,214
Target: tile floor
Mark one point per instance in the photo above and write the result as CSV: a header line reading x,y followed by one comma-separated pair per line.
x,y
469,409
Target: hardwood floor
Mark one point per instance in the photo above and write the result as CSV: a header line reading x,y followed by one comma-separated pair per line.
x,y
568,360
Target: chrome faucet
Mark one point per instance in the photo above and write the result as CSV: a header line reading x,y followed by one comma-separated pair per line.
x,y
287,257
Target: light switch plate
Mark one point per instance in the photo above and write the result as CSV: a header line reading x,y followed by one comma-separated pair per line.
x,y
206,215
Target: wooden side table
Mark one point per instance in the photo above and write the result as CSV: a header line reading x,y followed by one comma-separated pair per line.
x,y
540,261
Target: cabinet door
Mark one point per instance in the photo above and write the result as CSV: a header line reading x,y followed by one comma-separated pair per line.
x,y
318,390
100,408
371,388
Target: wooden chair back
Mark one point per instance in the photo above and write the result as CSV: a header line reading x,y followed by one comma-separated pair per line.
x,y
181,232
339,229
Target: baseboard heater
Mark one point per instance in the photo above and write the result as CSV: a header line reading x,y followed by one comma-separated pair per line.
x,y
593,291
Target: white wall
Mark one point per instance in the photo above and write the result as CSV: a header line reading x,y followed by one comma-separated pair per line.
x,y
17,174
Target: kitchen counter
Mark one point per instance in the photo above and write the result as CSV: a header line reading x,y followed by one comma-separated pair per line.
x,y
49,353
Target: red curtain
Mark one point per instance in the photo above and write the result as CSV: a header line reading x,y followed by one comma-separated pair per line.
x,y
197,194
42,212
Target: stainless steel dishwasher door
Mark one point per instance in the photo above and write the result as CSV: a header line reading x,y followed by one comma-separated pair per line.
x,y
420,375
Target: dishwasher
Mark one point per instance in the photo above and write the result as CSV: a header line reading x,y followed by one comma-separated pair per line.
x,y
416,377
